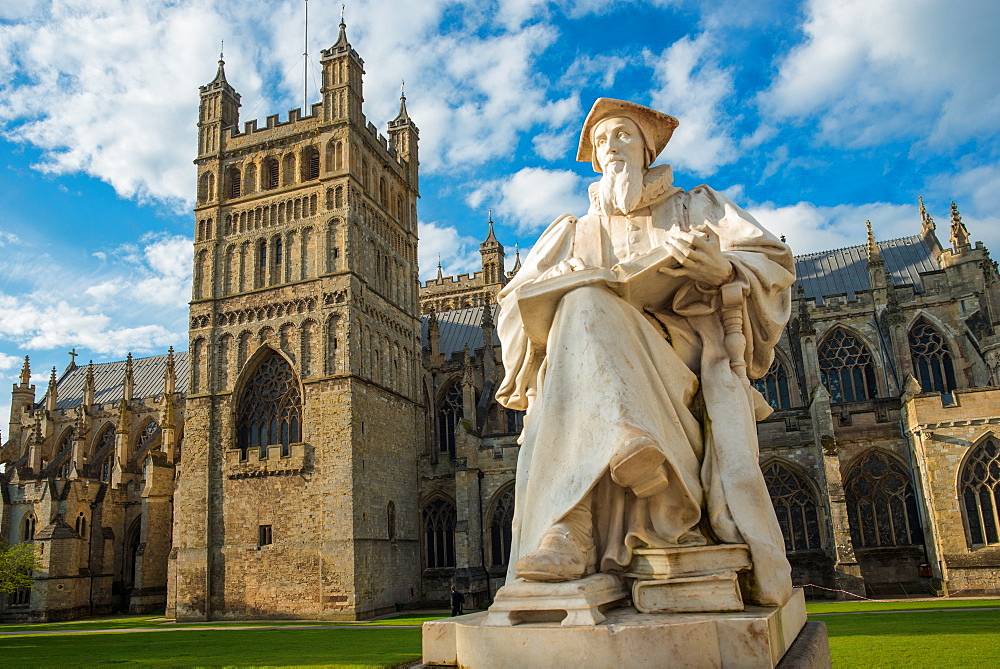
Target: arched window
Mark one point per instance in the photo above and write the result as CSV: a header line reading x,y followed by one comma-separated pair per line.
x,y
288,169
774,386
270,408
28,528
979,489
310,163
931,359
270,173
250,179
448,414
501,518
846,368
234,182
390,520
795,506
81,525
515,421
206,187
104,454
150,432
439,534
881,506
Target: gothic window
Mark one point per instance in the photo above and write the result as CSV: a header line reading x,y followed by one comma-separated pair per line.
x,y
107,467
104,454
310,163
305,348
250,179
81,525
234,182
448,414
225,350
931,359
795,506
979,488
264,535
206,187
150,431
439,534
197,366
28,528
515,421
270,174
288,169
390,520
339,197
382,196
881,506
364,174
501,518
847,368
774,386
270,408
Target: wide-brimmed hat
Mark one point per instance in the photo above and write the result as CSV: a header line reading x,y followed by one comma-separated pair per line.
x,y
656,127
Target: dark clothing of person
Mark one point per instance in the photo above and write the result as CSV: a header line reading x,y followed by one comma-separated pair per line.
x,y
457,600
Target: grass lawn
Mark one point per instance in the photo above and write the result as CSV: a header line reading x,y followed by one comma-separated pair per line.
x,y
848,607
935,639
370,647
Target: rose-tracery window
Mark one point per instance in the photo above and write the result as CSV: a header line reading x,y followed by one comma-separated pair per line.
x,y
847,368
501,519
270,408
931,359
448,414
881,506
774,386
979,488
795,506
439,534
149,434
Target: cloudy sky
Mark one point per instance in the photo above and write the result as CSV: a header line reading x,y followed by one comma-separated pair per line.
x,y
815,115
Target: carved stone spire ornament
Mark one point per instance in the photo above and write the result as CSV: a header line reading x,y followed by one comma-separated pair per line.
x,y
959,233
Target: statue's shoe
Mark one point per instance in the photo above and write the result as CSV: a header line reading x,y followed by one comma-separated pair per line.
x,y
558,558
639,465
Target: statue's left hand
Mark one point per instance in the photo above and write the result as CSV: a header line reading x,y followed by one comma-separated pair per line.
x,y
564,267
700,257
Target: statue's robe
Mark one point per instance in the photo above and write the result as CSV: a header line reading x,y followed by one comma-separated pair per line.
x,y
609,372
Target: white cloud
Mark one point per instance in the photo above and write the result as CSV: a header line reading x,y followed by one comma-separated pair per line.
x,y
597,70
8,239
533,197
457,254
897,68
693,87
809,228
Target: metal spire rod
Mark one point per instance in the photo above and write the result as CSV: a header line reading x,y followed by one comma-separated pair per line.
x,y
305,65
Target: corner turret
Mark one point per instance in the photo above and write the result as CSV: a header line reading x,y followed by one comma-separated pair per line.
x,y
493,257
343,71
404,135
218,112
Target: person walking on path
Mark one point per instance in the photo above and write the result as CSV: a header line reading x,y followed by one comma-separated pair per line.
x,y
457,600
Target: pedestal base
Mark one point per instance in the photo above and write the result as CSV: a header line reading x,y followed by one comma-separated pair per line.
x,y
755,637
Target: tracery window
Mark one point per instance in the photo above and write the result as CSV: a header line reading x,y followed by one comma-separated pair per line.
x,y
501,518
795,506
931,359
881,506
28,529
104,454
979,488
439,534
847,368
150,431
270,408
774,386
448,414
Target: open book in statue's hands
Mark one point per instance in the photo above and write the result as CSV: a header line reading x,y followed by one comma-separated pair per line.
x,y
638,281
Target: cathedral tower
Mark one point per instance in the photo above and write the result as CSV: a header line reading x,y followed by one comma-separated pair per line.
x,y
297,496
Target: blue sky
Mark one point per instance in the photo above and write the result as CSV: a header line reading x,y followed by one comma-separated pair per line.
x,y
814,115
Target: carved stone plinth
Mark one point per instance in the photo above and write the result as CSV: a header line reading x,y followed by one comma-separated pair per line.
x,y
755,637
572,603
681,580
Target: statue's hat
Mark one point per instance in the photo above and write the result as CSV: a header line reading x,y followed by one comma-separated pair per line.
x,y
656,128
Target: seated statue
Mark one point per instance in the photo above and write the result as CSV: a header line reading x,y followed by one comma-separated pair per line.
x,y
619,341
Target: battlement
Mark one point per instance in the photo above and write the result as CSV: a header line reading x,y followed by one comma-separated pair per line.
x,y
268,461
454,282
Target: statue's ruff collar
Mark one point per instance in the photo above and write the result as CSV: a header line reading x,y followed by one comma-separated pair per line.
x,y
657,186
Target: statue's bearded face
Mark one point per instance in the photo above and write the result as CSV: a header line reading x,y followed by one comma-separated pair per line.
x,y
621,151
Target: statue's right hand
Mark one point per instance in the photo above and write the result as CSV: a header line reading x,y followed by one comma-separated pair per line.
x,y
564,267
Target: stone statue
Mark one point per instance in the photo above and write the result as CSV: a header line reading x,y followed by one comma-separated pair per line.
x,y
629,335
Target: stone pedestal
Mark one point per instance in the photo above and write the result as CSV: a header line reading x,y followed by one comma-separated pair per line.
x,y
683,580
755,637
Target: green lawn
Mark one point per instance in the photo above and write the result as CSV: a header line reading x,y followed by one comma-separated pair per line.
x,y
848,607
370,647
937,639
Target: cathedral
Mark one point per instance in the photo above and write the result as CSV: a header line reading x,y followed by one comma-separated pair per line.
x,y
330,447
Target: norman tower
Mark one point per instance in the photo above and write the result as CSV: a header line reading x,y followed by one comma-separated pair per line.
x,y
297,496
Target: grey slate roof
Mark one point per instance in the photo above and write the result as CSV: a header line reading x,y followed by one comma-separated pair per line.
x,y
837,272
459,327
845,271
108,378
